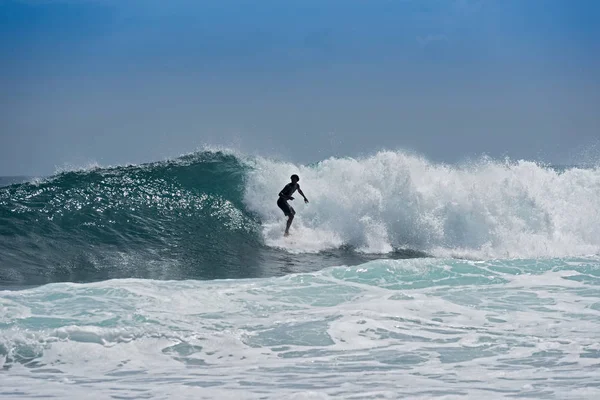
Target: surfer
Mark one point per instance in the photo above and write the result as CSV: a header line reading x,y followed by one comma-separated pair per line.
x,y
285,195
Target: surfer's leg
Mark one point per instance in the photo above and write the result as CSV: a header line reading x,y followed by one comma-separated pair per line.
x,y
289,223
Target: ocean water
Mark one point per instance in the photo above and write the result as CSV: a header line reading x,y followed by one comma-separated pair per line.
x,y
402,278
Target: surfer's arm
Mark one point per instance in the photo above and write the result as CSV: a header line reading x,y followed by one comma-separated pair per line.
x,y
300,191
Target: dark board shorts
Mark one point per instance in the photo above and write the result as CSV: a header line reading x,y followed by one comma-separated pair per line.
x,y
285,207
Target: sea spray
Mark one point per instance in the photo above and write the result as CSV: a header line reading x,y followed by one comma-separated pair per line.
x,y
396,200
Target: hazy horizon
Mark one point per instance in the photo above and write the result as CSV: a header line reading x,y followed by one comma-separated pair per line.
x,y
112,83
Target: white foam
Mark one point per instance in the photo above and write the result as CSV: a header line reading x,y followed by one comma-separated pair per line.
x,y
486,209
339,333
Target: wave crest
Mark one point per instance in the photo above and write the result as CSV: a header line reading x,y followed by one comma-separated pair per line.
x,y
486,209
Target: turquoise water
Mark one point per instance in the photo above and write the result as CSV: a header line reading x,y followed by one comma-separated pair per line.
x,y
401,279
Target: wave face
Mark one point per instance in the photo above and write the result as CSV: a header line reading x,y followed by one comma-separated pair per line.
x,y
418,329
213,215
157,220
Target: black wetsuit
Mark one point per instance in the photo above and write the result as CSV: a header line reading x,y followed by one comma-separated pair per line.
x,y
285,195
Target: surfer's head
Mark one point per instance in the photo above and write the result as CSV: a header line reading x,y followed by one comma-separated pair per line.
x,y
295,178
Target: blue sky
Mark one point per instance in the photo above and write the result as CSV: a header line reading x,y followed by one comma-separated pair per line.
x,y
131,81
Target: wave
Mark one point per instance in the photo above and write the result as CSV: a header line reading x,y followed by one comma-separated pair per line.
x,y
484,209
153,220
212,214
502,323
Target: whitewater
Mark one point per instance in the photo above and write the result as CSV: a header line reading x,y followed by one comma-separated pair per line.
x,y
402,278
